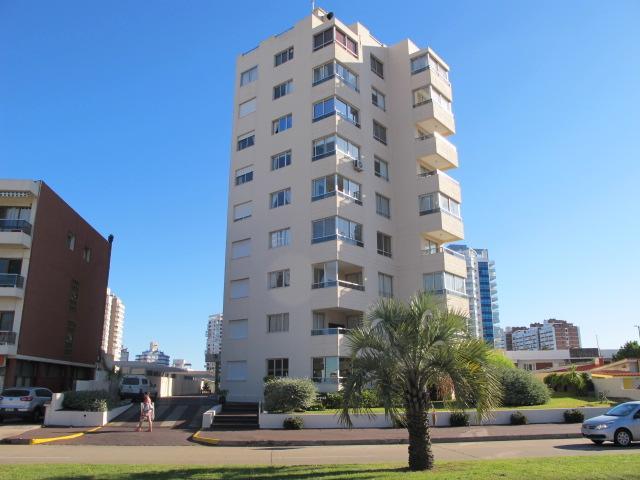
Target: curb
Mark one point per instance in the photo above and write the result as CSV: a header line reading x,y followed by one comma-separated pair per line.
x,y
40,441
196,437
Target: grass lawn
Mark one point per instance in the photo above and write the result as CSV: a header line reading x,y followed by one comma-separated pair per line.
x,y
558,400
592,467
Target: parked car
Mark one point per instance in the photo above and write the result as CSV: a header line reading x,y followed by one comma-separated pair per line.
x,y
135,386
620,425
24,402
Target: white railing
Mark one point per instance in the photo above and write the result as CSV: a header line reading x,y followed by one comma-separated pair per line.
x,y
431,251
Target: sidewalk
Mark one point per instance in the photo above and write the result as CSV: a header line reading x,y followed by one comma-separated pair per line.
x,y
386,436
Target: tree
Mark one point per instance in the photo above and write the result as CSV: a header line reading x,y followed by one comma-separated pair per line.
x,y
407,350
628,350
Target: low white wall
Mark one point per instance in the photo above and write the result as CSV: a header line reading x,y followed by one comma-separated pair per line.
x,y
209,415
614,388
56,417
378,420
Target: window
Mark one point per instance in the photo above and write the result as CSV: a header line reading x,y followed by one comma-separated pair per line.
x,y
419,64
323,73
246,140
244,175
323,39
281,124
249,76
6,321
347,76
347,42
440,99
71,241
247,107
241,248
378,99
281,160
238,329
282,89
379,132
279,279
280,198
278,322
347,112
323,108
385,285
384,244
86,254
328,186
430,247
377,67
323,147
440,282
383,206
283,56
242,211
420,96
435,202
240,288
277,367
381,168
74,295
237,371
351,150
332,228
280,238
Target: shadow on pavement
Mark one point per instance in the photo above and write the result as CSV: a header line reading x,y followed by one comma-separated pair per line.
x,y
591,447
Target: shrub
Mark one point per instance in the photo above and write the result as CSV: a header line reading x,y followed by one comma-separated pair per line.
x,y
370,399
293,423
573,416
289,394
332,400
89,401
521,388
459,419
551,380
316,407
518,418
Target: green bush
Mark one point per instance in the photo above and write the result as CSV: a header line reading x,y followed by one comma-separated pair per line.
x,y
573,416
551,380
89,401
293,423
316,407
459,419
289,394
370,399
518,418
332,400
521,388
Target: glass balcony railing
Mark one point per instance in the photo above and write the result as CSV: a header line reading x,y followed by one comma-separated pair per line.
x,y
329,331
11,280
7,338
431,251
10,225
335,283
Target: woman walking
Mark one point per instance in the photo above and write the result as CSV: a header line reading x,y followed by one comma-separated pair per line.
x,y
146,413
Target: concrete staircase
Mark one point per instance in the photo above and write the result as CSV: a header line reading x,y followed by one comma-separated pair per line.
x,y
237,416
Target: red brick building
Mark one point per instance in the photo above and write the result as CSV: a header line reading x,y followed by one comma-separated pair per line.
x,y
54,270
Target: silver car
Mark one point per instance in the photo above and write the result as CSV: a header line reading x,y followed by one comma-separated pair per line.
x,y
620,425
24,402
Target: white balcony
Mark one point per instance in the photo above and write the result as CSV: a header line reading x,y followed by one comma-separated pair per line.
x,y
436,152
443,260
15,233
437,181
441,226
431,117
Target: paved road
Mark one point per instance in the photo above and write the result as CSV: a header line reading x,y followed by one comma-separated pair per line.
x,y
202,455
11,428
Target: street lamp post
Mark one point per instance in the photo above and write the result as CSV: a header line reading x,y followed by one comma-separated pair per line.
x,y
638,327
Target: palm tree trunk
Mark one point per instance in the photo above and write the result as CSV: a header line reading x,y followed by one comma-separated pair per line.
x,y
417,415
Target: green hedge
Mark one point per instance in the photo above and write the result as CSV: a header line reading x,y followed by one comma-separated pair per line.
x,y
459,419
293,423
286,394
90,401
521,388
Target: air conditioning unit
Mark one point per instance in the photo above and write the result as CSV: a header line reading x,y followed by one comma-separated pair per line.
x,y
358,165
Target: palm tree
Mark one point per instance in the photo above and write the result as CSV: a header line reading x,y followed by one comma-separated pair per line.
x,y
406,350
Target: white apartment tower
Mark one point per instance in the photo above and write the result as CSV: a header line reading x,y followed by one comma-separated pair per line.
x,y
337,196
214,342
113,326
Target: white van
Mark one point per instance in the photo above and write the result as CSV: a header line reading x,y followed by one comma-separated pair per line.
x,y
135,386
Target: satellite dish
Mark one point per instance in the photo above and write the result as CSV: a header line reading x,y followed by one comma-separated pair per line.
x,y
329,15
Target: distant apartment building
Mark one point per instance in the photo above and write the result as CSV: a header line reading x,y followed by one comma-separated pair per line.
x,y
552,334
482,293
54,269
113,326
124,354
338,197
153,355
508,336
182,363
214,343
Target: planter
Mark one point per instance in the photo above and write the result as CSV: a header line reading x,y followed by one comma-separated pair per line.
x,y
56,417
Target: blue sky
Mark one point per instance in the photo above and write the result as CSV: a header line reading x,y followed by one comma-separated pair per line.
x,y
125,108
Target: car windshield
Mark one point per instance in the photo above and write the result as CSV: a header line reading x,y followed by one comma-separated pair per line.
x,y
14,392
622,410
130,381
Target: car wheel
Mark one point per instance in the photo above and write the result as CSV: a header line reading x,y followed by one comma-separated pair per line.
x,y
622,438
37,415
598,442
